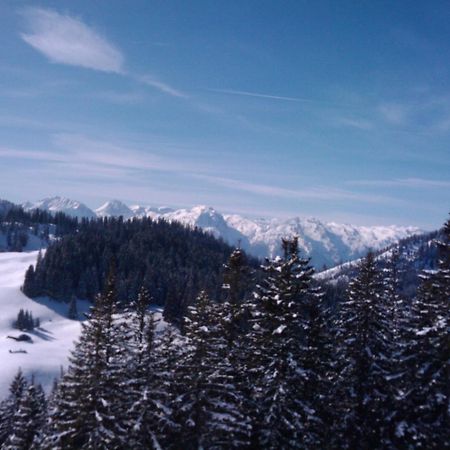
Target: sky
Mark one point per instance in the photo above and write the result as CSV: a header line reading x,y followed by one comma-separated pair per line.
x,y
335,110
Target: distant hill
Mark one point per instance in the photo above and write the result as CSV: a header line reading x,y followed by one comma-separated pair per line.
x,y
415,254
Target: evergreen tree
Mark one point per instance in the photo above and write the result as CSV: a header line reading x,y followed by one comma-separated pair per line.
x,y
149,403
28,419
364,339
208,403
73,311
9,406
88,406
281,413
427,354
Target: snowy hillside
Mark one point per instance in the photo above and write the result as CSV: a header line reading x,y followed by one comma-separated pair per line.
x,y
72,208
51,341
415,254
326,243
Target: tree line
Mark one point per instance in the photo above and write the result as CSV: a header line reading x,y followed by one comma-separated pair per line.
x,y
18,225
275,370
172,261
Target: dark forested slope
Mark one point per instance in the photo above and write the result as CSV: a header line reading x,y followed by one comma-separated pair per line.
x,y
173,262
18,227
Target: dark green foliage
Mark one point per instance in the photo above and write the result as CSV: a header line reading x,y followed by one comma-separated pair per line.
x,y
17,224
9,407
273,372
208,405
88,411
28,419
25,321
73,311
286,343
426,407
171,261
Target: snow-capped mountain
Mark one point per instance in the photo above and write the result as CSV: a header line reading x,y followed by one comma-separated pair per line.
x,y
150,211
326,243
114,208
72,208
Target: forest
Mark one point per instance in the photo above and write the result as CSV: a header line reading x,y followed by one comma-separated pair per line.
x,y
172,261
277,369
17,225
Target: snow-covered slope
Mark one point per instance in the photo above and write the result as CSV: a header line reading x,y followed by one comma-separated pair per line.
x,y
51,342
414,254
150,211
72,208
114,208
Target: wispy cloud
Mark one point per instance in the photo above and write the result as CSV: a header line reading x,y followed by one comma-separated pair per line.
x,y
360,124
313,193
413,183
161,86
267,96
67,40
73,151
121,98
394,113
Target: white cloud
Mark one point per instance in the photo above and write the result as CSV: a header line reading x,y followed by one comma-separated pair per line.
x,y
360,124
313,193
259,95
394,113
161,86
67,40
413,183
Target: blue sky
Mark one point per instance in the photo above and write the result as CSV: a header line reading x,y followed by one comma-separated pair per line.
x,y
338,110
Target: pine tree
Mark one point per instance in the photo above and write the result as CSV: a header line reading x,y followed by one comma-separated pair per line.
x,y
427,354
279,326
88,406
236,280
9,406
364,337
149,402
73,311
28,419
208,403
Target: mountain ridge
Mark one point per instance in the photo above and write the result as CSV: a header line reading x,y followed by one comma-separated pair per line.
x,y
326,243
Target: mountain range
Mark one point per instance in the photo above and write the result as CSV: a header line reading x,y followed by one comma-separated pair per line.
x,y
326,243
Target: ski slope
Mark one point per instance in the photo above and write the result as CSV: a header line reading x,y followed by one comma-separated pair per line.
x,y
52,341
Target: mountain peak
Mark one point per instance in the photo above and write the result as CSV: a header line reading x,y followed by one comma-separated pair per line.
x,y
113,208
54,204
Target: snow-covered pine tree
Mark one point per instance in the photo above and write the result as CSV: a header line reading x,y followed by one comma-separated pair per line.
x,y
427,354
208,405
9,406
89,403
397,384
149,401
236,280
28,419
364,337
282,413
